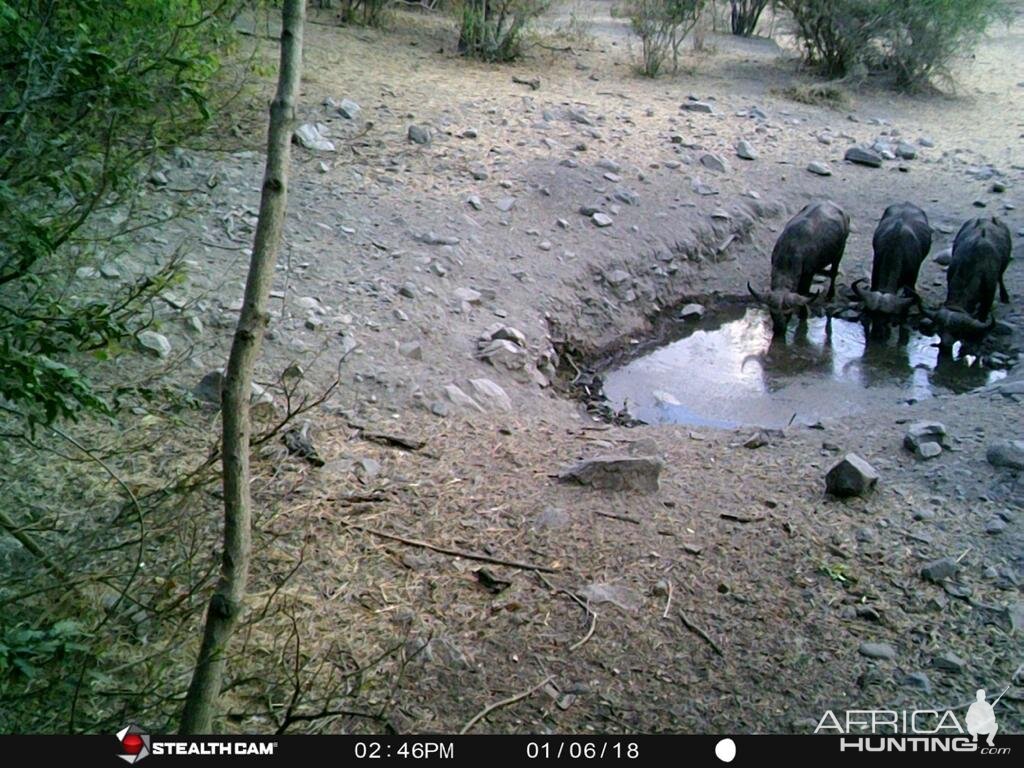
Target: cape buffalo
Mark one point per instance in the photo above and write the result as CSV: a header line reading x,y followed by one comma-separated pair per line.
x,y
981,253
901,243
811,243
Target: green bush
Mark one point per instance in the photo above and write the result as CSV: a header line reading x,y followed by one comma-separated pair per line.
x,y
917,40
492,30
662,25
92,91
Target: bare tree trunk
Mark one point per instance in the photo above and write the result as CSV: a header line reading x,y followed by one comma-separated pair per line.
x,y
227,601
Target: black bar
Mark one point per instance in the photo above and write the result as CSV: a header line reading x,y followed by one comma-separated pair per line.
x,y
487,751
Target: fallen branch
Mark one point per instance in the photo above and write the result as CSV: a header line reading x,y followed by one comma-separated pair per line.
x,y
613,516
668,603
584,605
451,551
504,703
742,518
590,633
700,633
388,439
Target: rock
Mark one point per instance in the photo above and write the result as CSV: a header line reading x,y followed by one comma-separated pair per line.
x,y
995,526
552,517
877,651
578,116
925,433
745,151
998,187
924,141
349,109
609,165
918,681
418,134
408,290
411,349
938,571
625,598
944,257
616,473
505,204
158,179
906,151
949,662
601,219
616,277
501,331
468,295
697,106
862,156
469,133
432,238
460,398
700,187
627,196
714,162
1006,453
852,476
691,312
475,202
757,440
479,172
819,169
209,387
490,395
309,136
155,344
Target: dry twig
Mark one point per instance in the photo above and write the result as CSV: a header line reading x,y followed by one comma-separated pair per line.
x,y
700,633
504,703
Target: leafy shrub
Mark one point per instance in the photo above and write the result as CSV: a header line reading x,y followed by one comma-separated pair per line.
x,y
918,40
492,30
662,25
744,15
91,91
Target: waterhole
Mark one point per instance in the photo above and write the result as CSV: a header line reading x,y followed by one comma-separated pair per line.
x,y
727,371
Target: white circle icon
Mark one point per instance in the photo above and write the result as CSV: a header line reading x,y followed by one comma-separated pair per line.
x,y
725,750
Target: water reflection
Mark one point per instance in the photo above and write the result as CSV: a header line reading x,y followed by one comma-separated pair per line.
x,y
729,371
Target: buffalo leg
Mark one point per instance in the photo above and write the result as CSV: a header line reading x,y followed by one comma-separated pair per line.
x,y
1004,296
832,283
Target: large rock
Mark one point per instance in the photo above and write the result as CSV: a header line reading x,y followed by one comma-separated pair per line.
x,y
616,473
938,571
349,109
697,106
862,156
714,162
1006,453
745,151
455,394
851,476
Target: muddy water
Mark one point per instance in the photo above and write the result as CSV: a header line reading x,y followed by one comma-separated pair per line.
x,y
727,371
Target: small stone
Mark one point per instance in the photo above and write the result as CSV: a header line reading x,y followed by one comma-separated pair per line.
x,y
601,219
757,440
158,179
906,151
155,344
852,476
418,134
918,681
411,349
697,106
505,204
408,290
949,662
1006,453
925,433
862,156
309,136
460,398
995,526
349,109
943,258
490,395
468,295
819,169
938,571
616,473
209,387
998,187
479,172
745,151
928,451
877,651
475,202
691,312
469,133
714,162
924,141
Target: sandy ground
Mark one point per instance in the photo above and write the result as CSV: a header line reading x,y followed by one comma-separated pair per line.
x,y
740,593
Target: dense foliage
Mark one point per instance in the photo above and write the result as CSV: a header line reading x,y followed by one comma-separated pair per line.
x,y
662,25
918,40
493,30
91,90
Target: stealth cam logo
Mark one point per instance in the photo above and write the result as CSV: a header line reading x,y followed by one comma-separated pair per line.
x,y
134,744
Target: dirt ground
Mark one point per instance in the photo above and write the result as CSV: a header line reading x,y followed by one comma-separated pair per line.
x,y
737,597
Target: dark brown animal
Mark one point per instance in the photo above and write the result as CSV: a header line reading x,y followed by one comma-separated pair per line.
x,y
812,243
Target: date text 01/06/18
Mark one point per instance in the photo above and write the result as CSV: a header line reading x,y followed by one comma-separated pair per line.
x,y
415,750
582,750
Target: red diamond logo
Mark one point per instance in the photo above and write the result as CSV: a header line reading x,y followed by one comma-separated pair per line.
x,y
132,743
